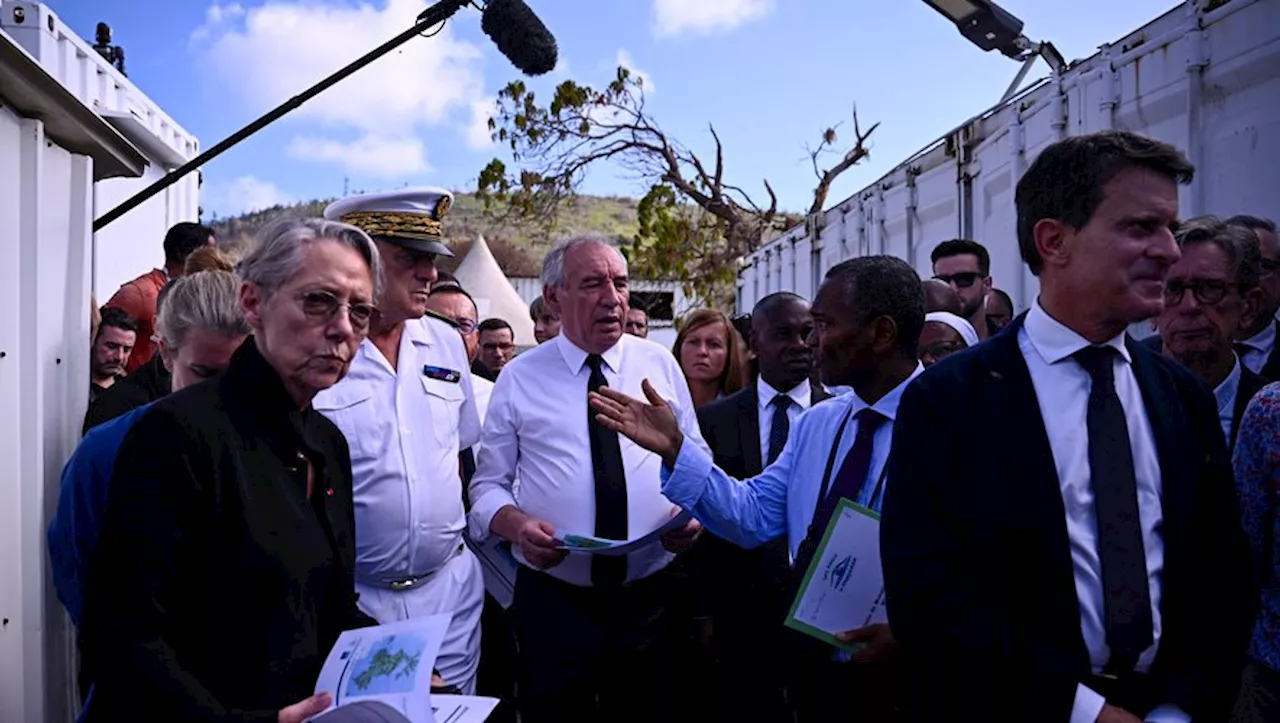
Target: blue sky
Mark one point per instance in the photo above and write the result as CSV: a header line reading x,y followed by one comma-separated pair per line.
x,y
769,74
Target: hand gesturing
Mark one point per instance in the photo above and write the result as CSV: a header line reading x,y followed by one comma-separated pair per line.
x,y
650,424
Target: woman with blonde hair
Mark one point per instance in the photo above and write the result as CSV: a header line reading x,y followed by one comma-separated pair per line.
x,y
712,356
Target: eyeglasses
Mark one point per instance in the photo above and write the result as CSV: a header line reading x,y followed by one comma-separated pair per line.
x,y
941,350
465,325
962,280
1205,291
322,306
1270,266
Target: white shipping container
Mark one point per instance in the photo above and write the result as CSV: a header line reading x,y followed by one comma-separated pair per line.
x,y
131,245
1204,80
54,150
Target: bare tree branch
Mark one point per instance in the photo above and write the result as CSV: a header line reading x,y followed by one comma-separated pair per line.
x,y
694,225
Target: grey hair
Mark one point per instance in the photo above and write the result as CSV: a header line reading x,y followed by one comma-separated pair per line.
x,y
553,262
1239,244
203,301
277,253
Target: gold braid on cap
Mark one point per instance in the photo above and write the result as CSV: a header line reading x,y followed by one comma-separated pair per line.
x,y
389,223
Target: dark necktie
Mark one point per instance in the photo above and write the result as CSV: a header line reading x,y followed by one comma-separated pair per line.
x,y
780,427
1126,595
611,487
848,483
1241,349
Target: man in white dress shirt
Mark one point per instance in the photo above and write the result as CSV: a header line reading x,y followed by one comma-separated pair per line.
x,y
593,631
406,408
1073,577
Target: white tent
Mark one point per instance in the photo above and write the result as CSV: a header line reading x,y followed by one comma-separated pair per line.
x,y
495,297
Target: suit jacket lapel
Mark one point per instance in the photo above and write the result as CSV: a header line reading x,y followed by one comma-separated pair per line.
x,y
1165,414
1029,464
1250,384
749,431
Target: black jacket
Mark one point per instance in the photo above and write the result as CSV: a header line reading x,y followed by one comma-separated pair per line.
x,y
219,587
977,559
146,384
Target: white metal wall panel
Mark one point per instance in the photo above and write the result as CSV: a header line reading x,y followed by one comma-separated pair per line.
x,y
45,216
1206,82
131,245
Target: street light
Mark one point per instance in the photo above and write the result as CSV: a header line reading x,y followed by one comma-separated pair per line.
x,y
991,27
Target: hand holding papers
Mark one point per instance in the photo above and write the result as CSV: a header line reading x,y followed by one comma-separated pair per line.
x,y
382,674
613,548
843,589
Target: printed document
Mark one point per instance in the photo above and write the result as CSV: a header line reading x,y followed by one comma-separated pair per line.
x,y
615,548
843,589
382,674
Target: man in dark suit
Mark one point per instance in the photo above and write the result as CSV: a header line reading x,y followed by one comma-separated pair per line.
x,y
746,432
1096,572
1210,294
1257,346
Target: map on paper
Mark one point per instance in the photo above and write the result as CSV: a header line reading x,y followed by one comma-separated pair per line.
x,y
389,668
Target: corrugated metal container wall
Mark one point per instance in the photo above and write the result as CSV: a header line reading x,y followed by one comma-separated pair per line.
x,y
1205,81
46,208
131,245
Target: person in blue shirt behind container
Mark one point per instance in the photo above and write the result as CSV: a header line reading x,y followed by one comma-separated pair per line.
x,y
200,325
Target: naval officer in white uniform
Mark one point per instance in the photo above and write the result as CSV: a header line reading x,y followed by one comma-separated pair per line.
x,y
407,407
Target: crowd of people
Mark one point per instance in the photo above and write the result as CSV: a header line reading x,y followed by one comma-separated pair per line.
x,y
318,432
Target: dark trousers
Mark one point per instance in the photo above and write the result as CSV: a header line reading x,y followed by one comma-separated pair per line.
x,y
589,654
496,677
1259,700
745,592
820,689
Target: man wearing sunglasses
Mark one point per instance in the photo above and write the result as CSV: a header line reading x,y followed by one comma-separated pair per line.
x,y
407,407
1257,345
1210,293
966,266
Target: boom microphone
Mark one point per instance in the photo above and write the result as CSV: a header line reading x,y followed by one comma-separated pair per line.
x,y
520,36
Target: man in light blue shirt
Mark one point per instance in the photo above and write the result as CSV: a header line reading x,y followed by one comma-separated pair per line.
x,y
868,315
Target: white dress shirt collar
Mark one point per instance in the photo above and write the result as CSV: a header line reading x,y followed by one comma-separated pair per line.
x,y
1264,341
1055,341
800,394
415,333
888,404
575,357
1225,392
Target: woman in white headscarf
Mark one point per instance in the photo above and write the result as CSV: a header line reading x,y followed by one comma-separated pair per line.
x,y
944,334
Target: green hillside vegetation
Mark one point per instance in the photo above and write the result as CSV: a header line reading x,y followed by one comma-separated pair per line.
x,y
518,251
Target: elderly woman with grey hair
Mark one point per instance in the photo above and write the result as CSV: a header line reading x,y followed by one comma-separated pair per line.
x,y
224,572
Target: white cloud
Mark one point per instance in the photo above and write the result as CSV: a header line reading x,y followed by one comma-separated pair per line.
x,y
261,56
217,16
625,60
702,17
244,194
562,69
372,155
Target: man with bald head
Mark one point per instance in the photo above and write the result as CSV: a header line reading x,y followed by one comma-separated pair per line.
x,y
746,432
939,296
